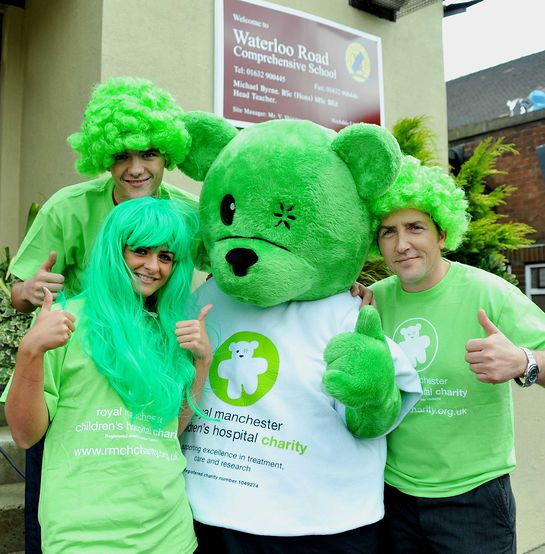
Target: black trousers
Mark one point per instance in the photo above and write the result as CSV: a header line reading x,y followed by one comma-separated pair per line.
x,y
33,474
217,540
480,521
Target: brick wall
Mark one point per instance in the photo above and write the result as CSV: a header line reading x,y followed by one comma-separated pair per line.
x,y
527,203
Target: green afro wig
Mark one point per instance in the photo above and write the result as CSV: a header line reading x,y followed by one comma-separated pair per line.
x,y
127,113
428,190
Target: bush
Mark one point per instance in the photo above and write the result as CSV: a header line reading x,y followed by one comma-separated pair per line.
x,y
13,324
489,236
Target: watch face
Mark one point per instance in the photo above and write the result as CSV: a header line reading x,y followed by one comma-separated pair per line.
x,y
531,376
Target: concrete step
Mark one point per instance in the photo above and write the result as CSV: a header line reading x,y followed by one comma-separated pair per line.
x,y
12,533
17,456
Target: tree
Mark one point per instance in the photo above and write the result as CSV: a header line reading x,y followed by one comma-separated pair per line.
x,y
416,139
489,236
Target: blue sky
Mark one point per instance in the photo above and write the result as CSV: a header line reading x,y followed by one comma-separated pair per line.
x,y
490,33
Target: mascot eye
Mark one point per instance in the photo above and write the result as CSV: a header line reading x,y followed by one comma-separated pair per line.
x,y
285,216
227,209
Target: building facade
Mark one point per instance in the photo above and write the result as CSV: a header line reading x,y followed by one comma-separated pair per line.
x,y
505,102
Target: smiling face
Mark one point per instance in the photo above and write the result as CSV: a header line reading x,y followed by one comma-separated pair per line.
x,y
137,173
412,246
150,268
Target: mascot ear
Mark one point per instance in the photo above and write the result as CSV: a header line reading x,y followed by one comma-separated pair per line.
x,y
199,254
209,134
373,156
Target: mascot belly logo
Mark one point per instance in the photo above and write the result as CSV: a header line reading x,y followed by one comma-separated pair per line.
x,y
418,339
357,62
244,369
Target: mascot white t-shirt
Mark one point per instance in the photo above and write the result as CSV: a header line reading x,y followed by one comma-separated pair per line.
x,y
278,459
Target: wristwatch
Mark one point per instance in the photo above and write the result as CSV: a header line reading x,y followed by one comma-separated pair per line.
x,y
529,377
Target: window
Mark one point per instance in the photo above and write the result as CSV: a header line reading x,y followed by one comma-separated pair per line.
x,y
540,151
535,283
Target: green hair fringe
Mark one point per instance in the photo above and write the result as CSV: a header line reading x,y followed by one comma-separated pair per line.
x,y
429,190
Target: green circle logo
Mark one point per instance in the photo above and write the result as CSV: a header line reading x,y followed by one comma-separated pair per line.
x,y
418,338
244,368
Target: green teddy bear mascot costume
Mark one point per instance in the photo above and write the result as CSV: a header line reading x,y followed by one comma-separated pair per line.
x,y
300,379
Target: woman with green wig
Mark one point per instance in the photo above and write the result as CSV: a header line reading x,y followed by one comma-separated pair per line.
x,y
113,394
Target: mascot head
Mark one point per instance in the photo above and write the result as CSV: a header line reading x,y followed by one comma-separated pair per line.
x,y
285,204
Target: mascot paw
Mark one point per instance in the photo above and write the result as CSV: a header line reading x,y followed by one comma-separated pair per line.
x,y
360,374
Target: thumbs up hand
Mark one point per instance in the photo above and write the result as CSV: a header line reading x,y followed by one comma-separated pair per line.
x,y
489,328
360,375
192,336
494,359
53,328
33,288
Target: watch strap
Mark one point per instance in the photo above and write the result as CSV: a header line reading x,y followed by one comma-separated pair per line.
x,y
529,377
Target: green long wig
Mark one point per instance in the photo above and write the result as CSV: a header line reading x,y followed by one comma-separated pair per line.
x,y
429,190
127,113
134,349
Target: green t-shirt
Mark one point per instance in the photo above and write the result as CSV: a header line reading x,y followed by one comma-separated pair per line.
x,y
69,223
460,434
110,483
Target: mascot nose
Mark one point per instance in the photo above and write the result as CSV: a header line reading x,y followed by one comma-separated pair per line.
x,y
241,259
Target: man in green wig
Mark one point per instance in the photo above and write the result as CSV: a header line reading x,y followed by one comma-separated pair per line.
x,y
132,131
468,334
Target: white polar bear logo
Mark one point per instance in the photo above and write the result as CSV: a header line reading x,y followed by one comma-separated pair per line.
x,y
242,369
414,345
